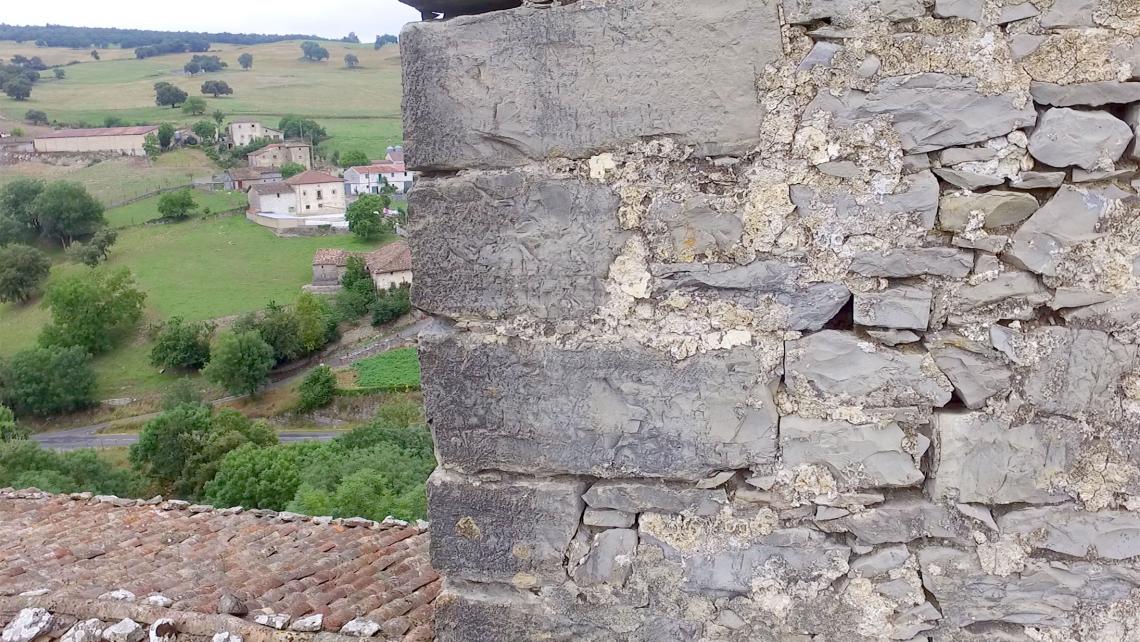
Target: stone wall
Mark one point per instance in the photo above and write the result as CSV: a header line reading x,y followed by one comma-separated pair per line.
x,y
783,320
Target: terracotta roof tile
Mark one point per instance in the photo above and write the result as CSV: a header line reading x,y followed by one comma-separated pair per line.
x,y
194,558
100,131
312,176
276,187
393,257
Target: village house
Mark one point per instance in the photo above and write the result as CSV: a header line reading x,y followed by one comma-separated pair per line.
x,y
244,131
242,178
311,198
388,265
277,154
370,179
118,140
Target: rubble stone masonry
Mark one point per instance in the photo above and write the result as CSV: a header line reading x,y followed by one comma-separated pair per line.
x,y
780,320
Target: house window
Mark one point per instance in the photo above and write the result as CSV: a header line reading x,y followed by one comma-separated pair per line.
x,y
319,195
307,206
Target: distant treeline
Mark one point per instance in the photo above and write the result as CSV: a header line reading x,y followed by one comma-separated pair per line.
x,y
158,41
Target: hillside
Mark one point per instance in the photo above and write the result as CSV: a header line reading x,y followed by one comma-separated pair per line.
x,y
359,107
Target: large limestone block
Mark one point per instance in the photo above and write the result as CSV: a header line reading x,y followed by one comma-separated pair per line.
x,y
858,455
904,262
902,307
1113,535
1045,593
661,497
513,530
1092,94
499,245
609,411
993,209
976,377
1087,139
1072,216
901,519
834,368
502,89
981,459
931,111
838,213
1079,372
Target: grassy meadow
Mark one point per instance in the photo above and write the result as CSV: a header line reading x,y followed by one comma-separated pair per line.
x,y
359,107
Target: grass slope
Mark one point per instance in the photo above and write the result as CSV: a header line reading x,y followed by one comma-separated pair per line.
x,y
395,370
359,107
145,210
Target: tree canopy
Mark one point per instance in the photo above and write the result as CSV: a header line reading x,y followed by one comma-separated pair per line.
x,y
23,270
65,212
46,381
246,60
92,310
305,129
240,362
217,88
177,205
351,61
36,117
194,106
166,94
354,157
313,51
366,216
386,39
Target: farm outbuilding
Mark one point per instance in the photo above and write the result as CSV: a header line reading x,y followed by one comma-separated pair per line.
x,y
118,140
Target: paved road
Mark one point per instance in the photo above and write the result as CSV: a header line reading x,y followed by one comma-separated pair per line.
x,y
90,437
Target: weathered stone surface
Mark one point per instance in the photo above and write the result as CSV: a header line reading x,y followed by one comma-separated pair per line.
x,y
956,155
1037,180
608,411
1117,314
307,624
611,86
230,604
986,242
1043,594
360,627
965,9
1112,535
994,209
904,262
834,367
159,600
900,520
879,562
84,631
967,179
799,553
1069,13
821,55
162,630
662,497
125,630
844,214
610,559
892,337
28,625
976,377
1078,373
1093,94
1065,297
608,518
805,11
226,636
759,285
494,245
695,228
931,111
502,531
273,620
1087,139
859,456
1010,295
1121,171
122,595
981,459
898,306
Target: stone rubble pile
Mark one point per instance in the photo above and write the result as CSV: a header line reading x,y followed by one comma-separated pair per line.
x,y
781,319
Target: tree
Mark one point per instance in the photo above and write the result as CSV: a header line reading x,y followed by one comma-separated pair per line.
x,y
351,37
59,73
391,304
277,326
23,270
303,128
177,205
194,106
95,54
240,362
24,463
351,61
18,89
18,221
205,130
317,390
316,322
366,216
192,67
92,310
179,344
167,94
65,211
245,60
217,88
218,116
113,121
9,429
354,158
291,169
96,249
165,135
357,292
151,147
256,477
385,40
47,381
313,51
36,117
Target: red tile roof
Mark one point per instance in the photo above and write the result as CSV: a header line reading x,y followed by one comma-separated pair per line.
x,y
379,168
276,187
81,548
288,143
100,131
396,155
328,256
393,257
251,173
312,176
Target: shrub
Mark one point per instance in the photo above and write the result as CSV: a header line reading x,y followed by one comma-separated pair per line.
x,y
23,270
177,205
47,381
358,291
240,363
316,321
391,304
9,429
317,390
181,345
24,463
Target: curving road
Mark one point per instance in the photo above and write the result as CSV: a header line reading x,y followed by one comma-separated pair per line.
x,y
90,437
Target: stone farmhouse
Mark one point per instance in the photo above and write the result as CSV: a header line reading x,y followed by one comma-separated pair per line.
x,y
89,568
370,179
388,265
243,131
117,140
242,178
277,154
311,198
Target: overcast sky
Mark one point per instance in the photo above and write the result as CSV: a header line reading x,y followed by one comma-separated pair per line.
x,y
328,18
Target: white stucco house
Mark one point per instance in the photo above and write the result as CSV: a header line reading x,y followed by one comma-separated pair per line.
x,y
244,131
311,198
370,179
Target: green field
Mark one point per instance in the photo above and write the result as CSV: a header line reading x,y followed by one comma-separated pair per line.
x,y
359,107
199,269
146,210
395,370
